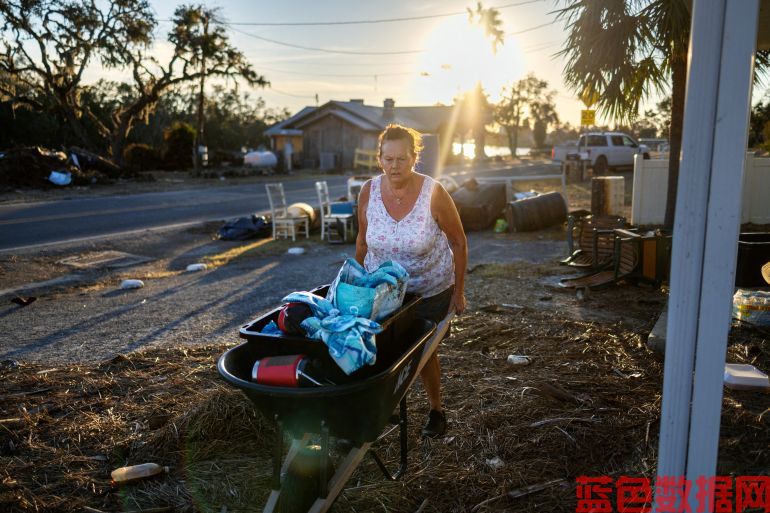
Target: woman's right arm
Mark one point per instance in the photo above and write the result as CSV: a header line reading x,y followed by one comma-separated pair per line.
x,y
363,202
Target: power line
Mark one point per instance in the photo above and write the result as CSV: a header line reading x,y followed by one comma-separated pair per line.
x,y
289,94
373,21
529,29
539,46
347,75
257,58
325,50
352,52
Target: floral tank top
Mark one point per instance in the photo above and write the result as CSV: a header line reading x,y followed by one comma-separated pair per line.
x,y
416,242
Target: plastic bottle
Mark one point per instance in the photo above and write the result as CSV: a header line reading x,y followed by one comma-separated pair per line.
x,y
133,473
517,359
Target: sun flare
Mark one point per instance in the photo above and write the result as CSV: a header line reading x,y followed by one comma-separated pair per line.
x,y
458,56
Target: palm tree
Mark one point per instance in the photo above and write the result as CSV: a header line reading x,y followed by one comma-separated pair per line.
x,y
621,52
476,107
489,19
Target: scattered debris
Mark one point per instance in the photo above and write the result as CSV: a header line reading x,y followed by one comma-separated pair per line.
x,y
104,259
521,492
244,228
60,177
23,301
742,376
546,422
296,251
517,359
500,308
554,391
196,267
623,375
495,463
133,473
131,284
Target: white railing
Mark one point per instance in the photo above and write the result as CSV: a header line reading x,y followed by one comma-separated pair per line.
x,y
648,203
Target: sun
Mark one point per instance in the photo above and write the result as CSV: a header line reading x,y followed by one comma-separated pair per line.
x,y
458,55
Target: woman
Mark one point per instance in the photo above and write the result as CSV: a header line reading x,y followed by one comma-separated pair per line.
x,y
410,218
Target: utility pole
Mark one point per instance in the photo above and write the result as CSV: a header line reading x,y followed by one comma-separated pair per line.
x,y
197,153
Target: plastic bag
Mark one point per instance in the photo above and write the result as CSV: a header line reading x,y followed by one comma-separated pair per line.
x,y
752,306
244,228
373,295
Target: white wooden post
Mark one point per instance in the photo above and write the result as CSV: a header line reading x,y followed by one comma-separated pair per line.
x,y
722,44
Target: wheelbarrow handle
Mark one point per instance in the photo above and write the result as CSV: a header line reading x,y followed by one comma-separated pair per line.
x,y
432,343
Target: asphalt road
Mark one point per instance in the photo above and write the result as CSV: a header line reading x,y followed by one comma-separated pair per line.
x,y
29,225
32,224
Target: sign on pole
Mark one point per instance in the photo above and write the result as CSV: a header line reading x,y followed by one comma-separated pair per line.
x,y
589,97
587,117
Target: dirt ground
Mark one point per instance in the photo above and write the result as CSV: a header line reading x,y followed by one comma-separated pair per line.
x,y
588,404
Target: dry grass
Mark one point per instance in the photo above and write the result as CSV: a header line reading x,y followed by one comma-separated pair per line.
x,y
588,404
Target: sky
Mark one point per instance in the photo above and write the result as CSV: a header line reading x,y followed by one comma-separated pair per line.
x,y
414,62
428,60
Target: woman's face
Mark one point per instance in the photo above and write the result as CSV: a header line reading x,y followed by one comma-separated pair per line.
x,y
397,160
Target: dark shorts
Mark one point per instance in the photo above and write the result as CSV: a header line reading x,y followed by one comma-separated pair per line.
x,y
435,308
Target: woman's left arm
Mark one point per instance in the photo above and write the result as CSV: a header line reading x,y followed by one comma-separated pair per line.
x,y
444,211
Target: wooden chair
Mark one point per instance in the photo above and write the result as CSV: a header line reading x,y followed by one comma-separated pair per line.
x,y
595,240
284,223
625,259
330,218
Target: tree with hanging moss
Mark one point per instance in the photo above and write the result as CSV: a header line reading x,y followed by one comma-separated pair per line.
x,y
524,102
69,36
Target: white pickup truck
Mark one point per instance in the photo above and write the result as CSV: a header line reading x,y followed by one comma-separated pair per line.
x,y
602,151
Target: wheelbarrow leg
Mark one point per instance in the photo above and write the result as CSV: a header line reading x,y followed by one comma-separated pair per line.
x,y
323,483
340,477
402,423
275,484
280,469
277,454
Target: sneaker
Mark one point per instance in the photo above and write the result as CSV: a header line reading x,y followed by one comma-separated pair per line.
x,y
436,425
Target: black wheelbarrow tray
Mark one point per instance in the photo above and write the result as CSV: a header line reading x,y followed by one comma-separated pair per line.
x,y
355,410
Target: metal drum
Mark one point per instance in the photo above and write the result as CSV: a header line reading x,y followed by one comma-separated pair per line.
x,y
536,212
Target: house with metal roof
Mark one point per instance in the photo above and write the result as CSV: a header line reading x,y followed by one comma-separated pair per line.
x,y
329,135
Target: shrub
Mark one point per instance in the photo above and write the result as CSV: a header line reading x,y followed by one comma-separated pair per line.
x,y
141,157
178,144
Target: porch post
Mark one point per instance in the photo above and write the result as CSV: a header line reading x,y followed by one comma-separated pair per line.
x,y
708,211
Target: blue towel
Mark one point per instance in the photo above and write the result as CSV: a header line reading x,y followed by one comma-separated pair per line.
x,y
349,338
271,328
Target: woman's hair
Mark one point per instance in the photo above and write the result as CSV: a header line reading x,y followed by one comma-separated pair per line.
x,y
394,132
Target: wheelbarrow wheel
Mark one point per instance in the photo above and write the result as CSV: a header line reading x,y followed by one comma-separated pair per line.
x,y
300,486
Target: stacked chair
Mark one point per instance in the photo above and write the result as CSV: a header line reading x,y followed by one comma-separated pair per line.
x,y
285,223
336,217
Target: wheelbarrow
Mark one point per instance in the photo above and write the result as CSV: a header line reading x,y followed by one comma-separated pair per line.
x,y
355,410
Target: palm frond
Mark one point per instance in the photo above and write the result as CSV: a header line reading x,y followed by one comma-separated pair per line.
x,y
613,47
761,67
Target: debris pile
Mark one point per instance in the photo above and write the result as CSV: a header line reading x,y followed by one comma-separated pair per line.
x,y
41,167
